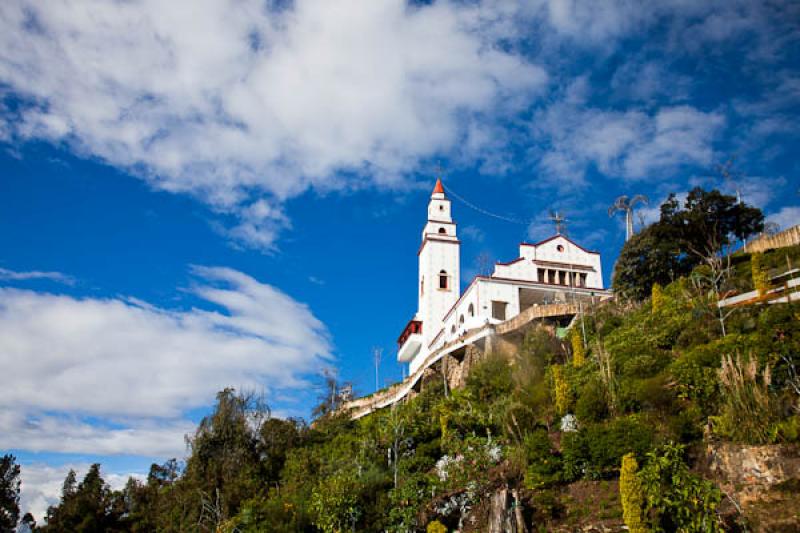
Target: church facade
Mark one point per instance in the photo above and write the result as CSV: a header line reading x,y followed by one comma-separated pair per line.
x,y
555,270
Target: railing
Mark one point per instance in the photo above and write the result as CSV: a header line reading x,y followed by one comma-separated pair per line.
x,y
413,326
363,406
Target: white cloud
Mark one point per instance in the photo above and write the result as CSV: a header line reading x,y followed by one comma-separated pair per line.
x,y
630,144
787,217
692,25
69,434
137,368
227,99
12,275
41,484
758,191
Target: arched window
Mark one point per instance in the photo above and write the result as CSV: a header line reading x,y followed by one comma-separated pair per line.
x,y
461,320
443,281
442,231
471,310
453,329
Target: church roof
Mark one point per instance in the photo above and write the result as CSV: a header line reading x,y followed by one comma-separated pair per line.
x,y
556,236
439,188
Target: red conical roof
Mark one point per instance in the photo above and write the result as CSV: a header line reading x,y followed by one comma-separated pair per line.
x,y
438,188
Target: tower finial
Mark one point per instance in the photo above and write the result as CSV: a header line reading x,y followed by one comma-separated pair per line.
x,y
439,188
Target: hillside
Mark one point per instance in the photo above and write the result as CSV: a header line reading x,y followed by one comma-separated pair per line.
x,y
645,414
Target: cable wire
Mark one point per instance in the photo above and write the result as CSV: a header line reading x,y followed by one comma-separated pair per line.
x,y
486,212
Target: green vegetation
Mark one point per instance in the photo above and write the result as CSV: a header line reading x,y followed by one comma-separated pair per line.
x,y
630,489
656,375
683,238
9,493
760,274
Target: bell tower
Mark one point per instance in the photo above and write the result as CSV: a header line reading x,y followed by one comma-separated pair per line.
x,y
439,266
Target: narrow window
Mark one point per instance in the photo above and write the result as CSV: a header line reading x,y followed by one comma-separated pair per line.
x,y
540,275
562,277
443,279
422,286
461,320
471,310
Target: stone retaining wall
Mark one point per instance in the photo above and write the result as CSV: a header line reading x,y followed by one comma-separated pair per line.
x,y
789,237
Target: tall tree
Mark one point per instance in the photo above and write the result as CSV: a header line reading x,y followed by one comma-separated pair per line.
x,y
224,466
9,493
89,507
699,232
625,205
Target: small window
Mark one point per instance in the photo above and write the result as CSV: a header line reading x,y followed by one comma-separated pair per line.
x,y
471,310
461,320
499,310
443,284
442,231
453,329
441,207
560,247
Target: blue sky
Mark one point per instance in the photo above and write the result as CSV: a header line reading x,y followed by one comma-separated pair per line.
x,y
230,193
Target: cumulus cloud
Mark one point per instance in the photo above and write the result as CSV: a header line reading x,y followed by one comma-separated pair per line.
x,y
629,144
136,368
231,99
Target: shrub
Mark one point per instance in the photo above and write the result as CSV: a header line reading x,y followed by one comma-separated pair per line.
x,y
578,348
596,450
676,499
695,373
334,503
657,298
436,527
592,404
560,389
747,412
687,425
490,379
544,463
759,273
630,491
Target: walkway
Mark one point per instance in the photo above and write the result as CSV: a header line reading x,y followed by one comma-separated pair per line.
x,y
384,398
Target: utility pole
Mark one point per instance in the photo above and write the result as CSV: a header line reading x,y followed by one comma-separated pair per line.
x,y
377,354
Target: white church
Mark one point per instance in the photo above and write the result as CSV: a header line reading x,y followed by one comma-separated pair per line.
x,y
555,270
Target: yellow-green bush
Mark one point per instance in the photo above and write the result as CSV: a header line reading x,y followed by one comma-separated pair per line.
x,y
578,349
630,491
657,297
436,527
560,389
760,274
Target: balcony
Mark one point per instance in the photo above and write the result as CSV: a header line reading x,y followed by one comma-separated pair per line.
x,y
410,341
